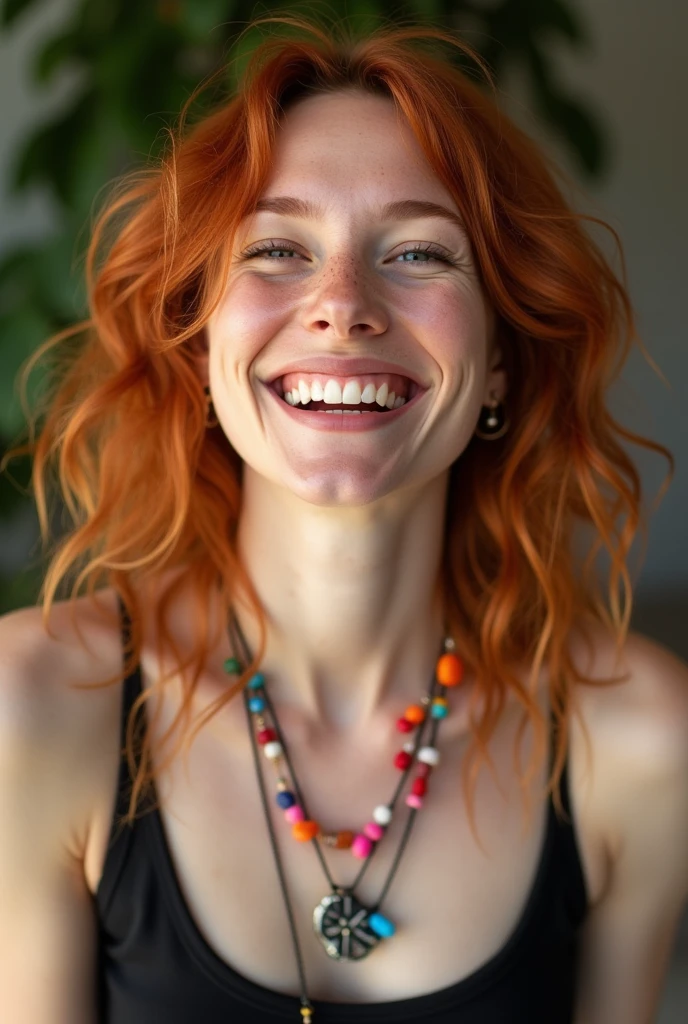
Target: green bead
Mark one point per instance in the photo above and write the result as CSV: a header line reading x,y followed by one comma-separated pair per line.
x,y
232,665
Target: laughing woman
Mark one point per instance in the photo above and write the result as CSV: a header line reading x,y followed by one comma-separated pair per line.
x,y
326,715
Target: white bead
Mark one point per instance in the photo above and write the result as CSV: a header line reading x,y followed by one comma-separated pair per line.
x,y
409,747
429,755
382,815
273,750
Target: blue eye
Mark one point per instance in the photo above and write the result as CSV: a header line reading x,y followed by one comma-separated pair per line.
x,y
272,252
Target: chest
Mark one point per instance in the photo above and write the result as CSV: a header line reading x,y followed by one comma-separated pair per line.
x,y
454,900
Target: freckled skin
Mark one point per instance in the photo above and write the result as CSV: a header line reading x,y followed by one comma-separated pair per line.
x,y
333,520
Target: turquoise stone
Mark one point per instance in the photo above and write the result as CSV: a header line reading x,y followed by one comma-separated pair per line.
x,y
256,705
232,665
439,711
382,926
256,681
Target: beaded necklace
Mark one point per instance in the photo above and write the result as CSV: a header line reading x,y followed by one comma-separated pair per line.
x,y
347,929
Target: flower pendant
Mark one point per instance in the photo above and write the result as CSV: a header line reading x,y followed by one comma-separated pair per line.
x,y
343,926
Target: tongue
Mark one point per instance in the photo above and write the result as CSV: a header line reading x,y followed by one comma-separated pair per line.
x,y
320,406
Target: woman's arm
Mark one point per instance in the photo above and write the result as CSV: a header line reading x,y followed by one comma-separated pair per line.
x,y
628,938
47,919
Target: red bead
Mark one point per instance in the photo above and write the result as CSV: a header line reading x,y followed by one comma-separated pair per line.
x,y
419,786
403,725
266,736
424,770
402,760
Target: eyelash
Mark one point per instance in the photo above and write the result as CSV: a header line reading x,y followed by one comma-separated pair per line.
x,y
429,250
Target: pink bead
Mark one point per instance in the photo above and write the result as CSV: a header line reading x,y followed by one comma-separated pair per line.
x,y
294,814
374,831
415,801
361,846
423,770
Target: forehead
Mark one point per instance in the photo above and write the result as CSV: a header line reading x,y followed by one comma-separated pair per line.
x,y
351,142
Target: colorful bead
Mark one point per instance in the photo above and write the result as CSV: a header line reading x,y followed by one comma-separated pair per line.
x,y
294,814
424,770
429,755
419,787
256,704
266,736
373,831
256,681
412,800
382,814
402,760
273,750
305,830
440,708
415,714
285,799
449,670
361,846
403,725
382,926
232,665
344,840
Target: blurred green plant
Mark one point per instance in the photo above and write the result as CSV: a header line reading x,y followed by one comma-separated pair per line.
x,y
136,64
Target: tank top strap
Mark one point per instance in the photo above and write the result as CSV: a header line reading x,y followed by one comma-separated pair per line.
x,y
569,864
120,833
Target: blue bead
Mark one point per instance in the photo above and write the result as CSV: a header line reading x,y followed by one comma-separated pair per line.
x,y
382,926
285,799
256,705
439,711
256,681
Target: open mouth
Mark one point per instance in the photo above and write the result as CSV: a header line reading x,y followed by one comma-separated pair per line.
x,y
369,393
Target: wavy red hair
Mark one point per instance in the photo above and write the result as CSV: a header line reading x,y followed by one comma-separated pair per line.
x,y
151,489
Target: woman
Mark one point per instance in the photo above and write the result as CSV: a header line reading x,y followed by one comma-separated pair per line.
x,y
328,594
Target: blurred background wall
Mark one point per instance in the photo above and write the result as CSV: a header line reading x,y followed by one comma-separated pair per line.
x,y
633,75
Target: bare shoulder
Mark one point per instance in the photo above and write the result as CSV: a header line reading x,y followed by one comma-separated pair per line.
x,y
640,722
636,797
46,716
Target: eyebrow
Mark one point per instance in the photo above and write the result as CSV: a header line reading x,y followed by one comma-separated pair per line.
x,y
402,209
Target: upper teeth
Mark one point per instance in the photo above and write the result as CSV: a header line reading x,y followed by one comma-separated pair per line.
x,y
350,394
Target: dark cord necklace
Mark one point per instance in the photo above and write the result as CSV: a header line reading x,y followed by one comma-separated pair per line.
x,y
347,929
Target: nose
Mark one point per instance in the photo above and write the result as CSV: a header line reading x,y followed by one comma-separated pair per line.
x,y
344,303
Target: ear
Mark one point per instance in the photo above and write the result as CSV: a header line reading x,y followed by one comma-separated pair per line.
x,y
199,352
495,379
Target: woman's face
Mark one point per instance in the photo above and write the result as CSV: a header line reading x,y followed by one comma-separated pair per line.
x,y
345,276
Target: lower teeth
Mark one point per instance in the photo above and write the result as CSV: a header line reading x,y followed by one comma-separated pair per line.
x,y
343,412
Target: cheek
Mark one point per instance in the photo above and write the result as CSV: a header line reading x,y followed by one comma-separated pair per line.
x,y
453,323
250,312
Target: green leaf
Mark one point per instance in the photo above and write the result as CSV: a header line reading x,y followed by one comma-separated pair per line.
x,y
11,9
56,52
198,20
20,335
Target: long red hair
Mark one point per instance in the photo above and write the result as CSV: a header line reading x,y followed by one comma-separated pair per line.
x,y
151,489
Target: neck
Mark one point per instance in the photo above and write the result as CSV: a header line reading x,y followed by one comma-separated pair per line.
x,y
354,618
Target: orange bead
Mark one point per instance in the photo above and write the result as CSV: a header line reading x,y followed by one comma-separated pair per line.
x,y
449,670
414,713
305,830
344,840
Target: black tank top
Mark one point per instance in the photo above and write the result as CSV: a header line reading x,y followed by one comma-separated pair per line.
x,y
155,966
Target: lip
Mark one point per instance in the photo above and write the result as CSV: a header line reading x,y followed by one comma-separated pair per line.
x,y
344,366
335,423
